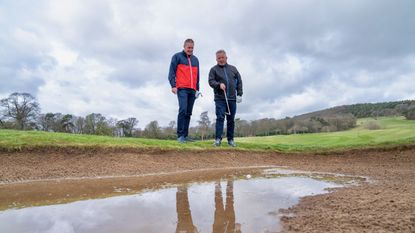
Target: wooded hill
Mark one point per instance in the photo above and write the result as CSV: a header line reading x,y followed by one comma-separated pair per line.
x,y
395,108
328,120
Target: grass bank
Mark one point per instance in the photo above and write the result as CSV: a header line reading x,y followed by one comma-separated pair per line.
x,y
394,131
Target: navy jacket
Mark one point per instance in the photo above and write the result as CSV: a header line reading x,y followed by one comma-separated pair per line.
x,y
229,76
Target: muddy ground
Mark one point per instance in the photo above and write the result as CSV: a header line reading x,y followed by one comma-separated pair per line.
x,y
386,204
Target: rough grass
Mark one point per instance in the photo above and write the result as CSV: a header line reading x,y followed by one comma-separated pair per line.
x,y
394,131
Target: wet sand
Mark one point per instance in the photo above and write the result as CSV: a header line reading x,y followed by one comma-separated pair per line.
x,y
386,204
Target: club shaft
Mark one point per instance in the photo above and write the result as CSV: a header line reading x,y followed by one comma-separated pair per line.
x,y
227,103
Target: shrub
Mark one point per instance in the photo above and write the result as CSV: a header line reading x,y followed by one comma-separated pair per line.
x,y
372,125
410,114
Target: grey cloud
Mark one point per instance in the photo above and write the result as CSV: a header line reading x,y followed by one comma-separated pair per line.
x,y
362,49
11,82
20,63
359,28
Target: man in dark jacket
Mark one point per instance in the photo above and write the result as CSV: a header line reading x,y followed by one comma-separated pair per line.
x,y
227,86
184,81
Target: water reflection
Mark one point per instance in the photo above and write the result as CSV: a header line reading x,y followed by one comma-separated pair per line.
x,y
224,220
220,206
184,215
224,215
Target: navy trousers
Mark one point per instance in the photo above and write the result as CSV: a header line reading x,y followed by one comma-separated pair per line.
x,y
221,108
186,99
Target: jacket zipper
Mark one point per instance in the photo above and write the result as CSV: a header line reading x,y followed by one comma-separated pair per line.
x,y
227,81
191,72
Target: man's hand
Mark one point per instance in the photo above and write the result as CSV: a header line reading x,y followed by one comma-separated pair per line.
x,y
222,86
238,99
174,90
198,94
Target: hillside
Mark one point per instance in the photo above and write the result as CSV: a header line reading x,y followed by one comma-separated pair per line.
x,y
362,110
334,119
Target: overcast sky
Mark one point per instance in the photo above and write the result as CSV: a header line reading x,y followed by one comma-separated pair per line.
x,y
112,57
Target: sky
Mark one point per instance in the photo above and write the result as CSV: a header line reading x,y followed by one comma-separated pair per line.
x,y
112,56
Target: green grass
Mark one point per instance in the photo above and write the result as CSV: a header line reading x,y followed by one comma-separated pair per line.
x,y
394,131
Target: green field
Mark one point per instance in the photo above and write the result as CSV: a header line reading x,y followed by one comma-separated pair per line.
x,y
394,131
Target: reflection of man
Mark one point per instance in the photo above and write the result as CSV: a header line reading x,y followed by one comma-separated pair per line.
x,y
224,217
184,215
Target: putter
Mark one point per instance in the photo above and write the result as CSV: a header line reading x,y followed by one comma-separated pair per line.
x,y
227,104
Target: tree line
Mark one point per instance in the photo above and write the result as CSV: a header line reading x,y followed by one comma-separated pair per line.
x,y
21,111
395,108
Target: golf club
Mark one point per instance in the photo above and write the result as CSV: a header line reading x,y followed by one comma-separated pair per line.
x,y
227,104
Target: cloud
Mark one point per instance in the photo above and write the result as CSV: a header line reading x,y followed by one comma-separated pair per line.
x,y
113,56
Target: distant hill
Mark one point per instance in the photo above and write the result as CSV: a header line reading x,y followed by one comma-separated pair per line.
x,y
395,108
328,120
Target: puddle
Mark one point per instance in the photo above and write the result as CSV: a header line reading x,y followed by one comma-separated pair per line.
x,y
243,200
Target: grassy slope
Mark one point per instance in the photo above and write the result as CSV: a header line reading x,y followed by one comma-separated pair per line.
x,y
395,131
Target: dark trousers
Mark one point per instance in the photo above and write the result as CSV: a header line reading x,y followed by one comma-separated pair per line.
x,y
186,99
221,108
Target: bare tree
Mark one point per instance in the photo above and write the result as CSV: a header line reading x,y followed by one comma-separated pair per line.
x,y
152,130
46,121
95,124
204,124
67,123
79,125
127,126
111,127
56,122
410,113
170,130
242,128
21,108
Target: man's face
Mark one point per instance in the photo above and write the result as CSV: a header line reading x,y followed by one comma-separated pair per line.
x,y
188,49
221,58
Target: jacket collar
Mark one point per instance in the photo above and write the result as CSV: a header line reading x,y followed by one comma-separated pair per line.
x,y
185,54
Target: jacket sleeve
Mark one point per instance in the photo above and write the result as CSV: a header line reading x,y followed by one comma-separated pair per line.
x,y
212,80
172,71
198,76
239,87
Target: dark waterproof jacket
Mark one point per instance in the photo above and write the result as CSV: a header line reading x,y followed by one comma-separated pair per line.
x,y
229,76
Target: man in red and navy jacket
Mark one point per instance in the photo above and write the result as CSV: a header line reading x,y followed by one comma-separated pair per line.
x,y
184,82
